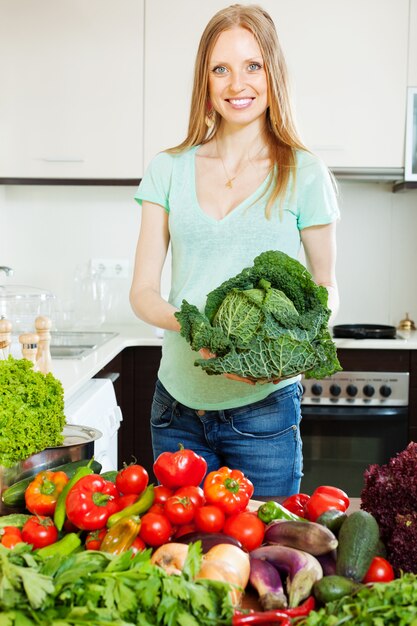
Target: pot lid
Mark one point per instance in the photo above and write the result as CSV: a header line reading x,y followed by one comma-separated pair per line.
x,y
364,331
24,292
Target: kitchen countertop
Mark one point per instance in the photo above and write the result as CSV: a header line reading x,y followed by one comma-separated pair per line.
x,y
74,373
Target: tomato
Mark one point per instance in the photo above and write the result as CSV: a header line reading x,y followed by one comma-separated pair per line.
x,y
132,479
179,510
162,493
39,531
10,536
247,528
157,507
127,500
179,469
155,529
333,491
137,546
184,529
196,494
321,502
94,539
209,518
380,571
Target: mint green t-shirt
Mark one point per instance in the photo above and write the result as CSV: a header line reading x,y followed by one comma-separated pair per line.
x,y
206,252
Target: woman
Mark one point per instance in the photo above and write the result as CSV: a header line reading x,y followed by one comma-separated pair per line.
x,y
239,184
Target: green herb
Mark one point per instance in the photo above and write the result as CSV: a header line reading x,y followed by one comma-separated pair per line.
x,y
31,411
95,588
382,604
269,321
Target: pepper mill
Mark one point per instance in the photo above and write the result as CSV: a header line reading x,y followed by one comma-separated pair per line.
x,y
5,336
29,343
43,357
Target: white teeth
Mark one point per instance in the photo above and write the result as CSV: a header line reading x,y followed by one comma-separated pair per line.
x,y
241,101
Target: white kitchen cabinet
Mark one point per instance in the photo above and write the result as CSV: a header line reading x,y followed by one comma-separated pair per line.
x,y
71,89
412,53
347,63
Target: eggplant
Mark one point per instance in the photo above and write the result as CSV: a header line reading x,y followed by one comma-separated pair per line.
x,y
208,540
303,569
308,536
266,580
328,562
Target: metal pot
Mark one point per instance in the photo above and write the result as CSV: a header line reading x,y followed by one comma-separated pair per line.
x,y
78,445
364,331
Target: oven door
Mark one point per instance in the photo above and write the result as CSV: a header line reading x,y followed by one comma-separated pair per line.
x,y
340,442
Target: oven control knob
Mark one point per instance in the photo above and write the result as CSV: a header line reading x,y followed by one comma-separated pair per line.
x,y
368,391
351,390
316,389
385,391
335,390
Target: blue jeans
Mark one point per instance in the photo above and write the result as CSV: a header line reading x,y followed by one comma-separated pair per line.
x,y
261,439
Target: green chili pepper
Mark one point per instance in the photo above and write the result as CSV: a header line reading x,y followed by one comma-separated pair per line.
x,y
65,546
139,507
60,513
270,511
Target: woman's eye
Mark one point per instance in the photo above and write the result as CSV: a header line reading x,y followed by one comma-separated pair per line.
x,y
254,66
219,69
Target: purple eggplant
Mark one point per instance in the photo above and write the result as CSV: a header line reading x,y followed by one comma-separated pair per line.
x,y
265,578
328,562
302,568
208,540
308,536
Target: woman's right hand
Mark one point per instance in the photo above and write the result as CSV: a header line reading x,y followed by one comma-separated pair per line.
x,y
206,354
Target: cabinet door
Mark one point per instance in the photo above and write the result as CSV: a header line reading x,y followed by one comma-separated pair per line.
x,y
71,88
412,51
347,63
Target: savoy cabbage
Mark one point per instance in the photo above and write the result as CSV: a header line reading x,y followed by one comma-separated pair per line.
x,y
270,321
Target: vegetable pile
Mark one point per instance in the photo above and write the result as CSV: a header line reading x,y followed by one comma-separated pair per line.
x,y
390,494
268,322
31,411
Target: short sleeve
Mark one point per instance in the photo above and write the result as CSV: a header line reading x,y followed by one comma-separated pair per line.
x,y
156,182
316,193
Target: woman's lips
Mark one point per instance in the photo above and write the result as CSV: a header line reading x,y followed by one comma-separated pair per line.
x,y
240,103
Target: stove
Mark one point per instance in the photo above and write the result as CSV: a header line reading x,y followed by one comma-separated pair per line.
x,y
358,389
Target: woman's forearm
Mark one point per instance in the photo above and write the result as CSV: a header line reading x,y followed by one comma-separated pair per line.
x,y
150,307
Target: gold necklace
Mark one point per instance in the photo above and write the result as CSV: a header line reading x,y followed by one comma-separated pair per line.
x,y
230,179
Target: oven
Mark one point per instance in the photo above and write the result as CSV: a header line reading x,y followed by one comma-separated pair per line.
x,y
351,420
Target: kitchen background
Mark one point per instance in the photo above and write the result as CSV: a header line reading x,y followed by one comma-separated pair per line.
x,y
117,79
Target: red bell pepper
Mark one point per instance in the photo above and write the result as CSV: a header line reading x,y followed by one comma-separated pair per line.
x,y
42,493
296,503
320,503
229,489
91,501
180,469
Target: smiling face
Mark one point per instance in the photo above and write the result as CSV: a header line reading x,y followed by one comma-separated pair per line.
x,y
238,86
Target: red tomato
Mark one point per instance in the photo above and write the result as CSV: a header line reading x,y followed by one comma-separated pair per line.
x,y
132,479
94,539
162,493
40,531
179,510
321,502
137,546
179,469
155,529
10,536
127,500
247,528
380,571
333,491
196,494
157,507
184,529
209,518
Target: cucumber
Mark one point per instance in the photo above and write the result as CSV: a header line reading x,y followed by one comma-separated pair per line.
x,y
332,519
330,588
358,544
14,496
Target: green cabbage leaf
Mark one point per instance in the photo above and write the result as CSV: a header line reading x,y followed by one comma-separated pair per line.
x,y
268,322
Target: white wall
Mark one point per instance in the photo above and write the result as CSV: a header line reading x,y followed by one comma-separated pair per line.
x,y
47,231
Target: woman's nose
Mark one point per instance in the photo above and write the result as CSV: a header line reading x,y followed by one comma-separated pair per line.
x,y
236,82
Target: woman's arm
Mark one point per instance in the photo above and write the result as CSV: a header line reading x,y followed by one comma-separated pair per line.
x,y
319,244
151,252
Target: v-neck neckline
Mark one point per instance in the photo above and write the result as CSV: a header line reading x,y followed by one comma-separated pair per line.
x,y
232,211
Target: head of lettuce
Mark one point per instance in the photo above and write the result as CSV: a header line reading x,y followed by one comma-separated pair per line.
x,y
31,411
268,322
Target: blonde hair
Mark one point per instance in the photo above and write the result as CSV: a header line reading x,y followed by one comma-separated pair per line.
x,y
280,132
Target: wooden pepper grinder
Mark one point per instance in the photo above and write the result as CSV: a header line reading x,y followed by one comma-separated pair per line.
x,y
43,357
29,343
5,337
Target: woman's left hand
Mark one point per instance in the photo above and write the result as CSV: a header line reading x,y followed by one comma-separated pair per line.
x,y
206,354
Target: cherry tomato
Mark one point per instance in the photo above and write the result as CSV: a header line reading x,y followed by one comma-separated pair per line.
x,y
40,531
162,493
10,536
196,494
333,491
157,507
179,510
132,479
127,500
209,518
94,539
380,571
184,529
137,546
247,528
155,529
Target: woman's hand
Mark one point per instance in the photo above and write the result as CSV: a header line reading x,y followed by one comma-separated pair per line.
x,y
206,354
